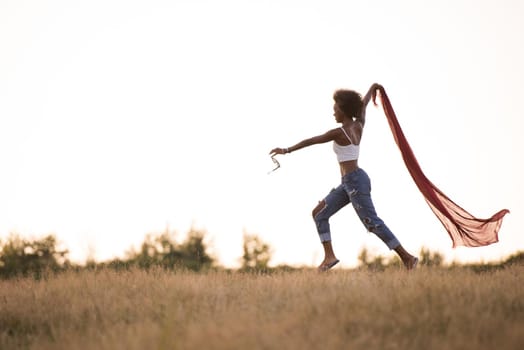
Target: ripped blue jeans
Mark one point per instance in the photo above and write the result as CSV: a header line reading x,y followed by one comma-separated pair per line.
x,y
355,189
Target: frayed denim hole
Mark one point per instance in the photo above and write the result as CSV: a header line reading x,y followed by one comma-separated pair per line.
x,y
321,210
367,223
370,227
315,218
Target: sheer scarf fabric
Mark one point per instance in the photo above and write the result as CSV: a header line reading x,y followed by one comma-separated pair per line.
x,y
463,228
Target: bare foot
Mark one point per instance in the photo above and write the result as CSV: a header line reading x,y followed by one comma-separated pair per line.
x,y
411,263
326,265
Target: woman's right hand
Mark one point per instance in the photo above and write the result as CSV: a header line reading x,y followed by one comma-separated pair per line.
x,y
276,151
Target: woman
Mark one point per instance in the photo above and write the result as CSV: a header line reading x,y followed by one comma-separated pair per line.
x,y
350,111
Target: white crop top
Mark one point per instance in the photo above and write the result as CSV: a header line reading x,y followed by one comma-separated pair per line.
x,y
348,152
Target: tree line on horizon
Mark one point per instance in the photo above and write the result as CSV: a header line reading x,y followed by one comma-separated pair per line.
x,y
21,257
38,258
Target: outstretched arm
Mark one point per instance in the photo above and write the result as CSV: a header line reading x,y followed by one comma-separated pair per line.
x,y
328,136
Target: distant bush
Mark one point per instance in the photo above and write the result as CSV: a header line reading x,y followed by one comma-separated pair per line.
x,y
380,263
376,262
429,258
34,258
23,257
257,253
163,251
515,259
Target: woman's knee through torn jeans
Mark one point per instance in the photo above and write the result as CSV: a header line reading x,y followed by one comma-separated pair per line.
x,y
355,189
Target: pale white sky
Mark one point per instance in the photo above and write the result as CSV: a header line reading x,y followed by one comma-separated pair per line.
x,y
118,118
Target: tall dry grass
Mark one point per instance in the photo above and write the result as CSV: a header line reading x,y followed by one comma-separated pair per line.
x,y
426,309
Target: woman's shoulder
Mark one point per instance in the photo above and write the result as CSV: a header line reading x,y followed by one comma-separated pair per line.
x,y
334,134
359,124
336,131
356,127
355,130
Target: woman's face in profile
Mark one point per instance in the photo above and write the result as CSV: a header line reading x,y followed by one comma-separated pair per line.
x,y
339,115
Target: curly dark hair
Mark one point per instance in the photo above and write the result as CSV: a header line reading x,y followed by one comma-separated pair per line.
x,y
349,101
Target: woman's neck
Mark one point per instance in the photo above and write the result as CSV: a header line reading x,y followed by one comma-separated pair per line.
x,y
347,122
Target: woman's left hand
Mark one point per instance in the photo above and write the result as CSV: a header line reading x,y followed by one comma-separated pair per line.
x,y
375,88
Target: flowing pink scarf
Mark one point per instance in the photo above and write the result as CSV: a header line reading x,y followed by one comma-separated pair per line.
x,y
463,228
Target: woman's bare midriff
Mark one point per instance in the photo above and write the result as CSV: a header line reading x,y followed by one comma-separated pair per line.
x,y
348,167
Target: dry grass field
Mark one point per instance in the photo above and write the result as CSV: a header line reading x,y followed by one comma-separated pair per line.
x,y
341,309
